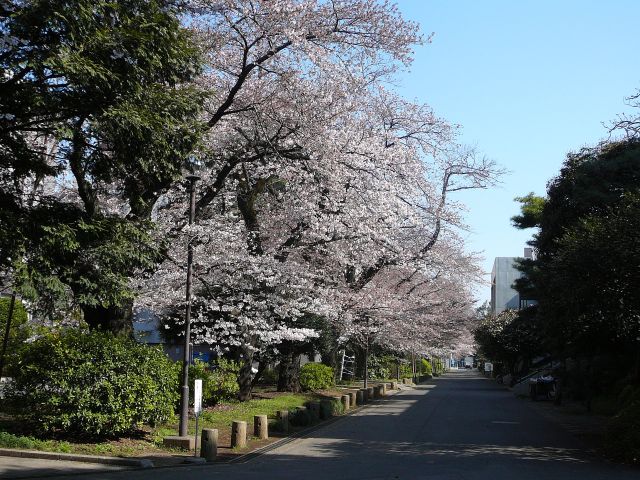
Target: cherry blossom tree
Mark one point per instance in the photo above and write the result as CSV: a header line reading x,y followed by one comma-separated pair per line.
x,y
323,194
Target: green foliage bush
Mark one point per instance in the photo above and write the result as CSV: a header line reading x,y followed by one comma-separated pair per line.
x,y
92,384
219,380
380,366
300,417
425,367
316,376
622,439
330,408
269,377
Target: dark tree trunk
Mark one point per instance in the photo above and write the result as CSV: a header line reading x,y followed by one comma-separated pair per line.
x,y
289,372
117,320
245,376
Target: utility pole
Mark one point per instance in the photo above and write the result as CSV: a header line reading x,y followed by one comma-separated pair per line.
x,y
184,393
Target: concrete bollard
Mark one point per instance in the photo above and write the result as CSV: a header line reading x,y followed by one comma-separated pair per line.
x,y
370,394
376,392
383,389
260,427
209,444
314,411
283,420
353,399
361,396
345,402
238,434
394,385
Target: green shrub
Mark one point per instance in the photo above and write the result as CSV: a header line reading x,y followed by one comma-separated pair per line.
x,y
622,438
269,377
93,384
316,376
219,380
300,417
330,408
426,368
380,366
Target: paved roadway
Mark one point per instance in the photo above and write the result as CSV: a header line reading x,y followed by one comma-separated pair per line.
x,y
463,427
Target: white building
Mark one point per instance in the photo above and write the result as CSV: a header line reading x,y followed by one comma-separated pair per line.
x,y
503,276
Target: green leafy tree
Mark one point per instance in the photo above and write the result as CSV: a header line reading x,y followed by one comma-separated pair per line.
x,y
510,338
96,119
591,285
585,273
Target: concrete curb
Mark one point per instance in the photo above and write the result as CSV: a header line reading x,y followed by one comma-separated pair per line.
x,y
72,457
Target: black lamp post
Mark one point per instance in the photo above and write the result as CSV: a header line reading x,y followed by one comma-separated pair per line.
x,y
184,394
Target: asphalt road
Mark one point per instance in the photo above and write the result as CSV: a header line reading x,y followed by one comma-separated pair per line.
x,y
463,427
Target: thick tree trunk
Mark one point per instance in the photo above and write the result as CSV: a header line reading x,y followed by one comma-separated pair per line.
x,y
245,376
117,320
289,372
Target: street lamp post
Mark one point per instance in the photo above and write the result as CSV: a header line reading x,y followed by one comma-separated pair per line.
x,y
184,394
366,358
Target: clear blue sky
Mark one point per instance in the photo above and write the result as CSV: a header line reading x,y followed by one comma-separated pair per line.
x,y
528,81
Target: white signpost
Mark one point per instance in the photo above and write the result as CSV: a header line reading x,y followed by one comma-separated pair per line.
x,y
197,407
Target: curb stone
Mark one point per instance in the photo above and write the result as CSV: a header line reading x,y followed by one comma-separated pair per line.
x,y
72,457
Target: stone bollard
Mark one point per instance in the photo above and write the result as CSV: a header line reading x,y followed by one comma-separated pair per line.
x,y
394,385
383,389
345,402
283,420
353,400
209,444
314,411
360,397
238,434
376,392
370,394
260,427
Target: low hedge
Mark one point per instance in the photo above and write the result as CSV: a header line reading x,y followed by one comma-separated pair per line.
x,y
622,438
92,384
316,376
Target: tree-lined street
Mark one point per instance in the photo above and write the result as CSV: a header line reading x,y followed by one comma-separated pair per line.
x,y
462,426
219,213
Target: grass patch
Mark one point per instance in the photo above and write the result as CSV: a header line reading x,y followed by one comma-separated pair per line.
x,y
246,410
8,440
